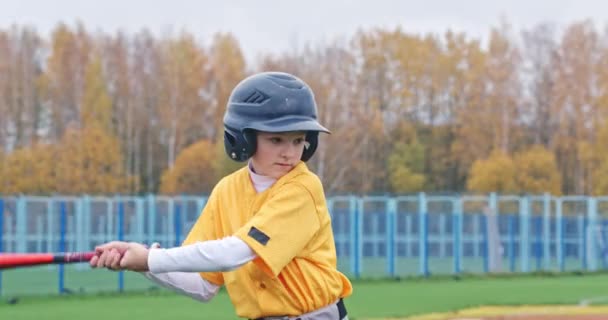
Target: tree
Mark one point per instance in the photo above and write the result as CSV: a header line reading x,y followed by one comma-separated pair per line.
x,y
228,68
496,173
539,76
143,129
124,89
471,131
574,95
600,172
405,167
537,172
63,80
96,104
90,161
182,111
601,184
22,106
193,171
503,89
29,170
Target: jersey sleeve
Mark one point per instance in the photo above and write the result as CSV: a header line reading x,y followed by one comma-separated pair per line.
x,y
203,230
282,227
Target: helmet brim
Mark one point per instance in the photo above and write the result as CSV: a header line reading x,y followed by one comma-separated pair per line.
x,y
288,124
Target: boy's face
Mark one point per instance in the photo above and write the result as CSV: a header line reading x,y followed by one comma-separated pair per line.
x,y
277,153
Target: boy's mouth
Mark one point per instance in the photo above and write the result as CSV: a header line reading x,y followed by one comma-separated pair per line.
x,y
283,164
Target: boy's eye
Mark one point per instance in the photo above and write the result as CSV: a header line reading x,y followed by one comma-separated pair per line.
x,y
298,141
275,140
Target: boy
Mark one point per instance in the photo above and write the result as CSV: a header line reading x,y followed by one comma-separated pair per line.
x,y
265,232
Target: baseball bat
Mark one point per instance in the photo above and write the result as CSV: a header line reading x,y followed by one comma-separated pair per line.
x,y
16,260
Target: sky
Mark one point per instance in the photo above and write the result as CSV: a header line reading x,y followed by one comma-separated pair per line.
x,y
275,26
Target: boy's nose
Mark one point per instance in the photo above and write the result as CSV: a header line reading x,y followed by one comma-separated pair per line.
x,y
288,151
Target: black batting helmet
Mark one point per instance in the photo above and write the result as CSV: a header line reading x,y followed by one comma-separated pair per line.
x,y
269,102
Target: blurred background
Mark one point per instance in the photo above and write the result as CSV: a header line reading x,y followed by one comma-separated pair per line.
x,y
468,137
436,96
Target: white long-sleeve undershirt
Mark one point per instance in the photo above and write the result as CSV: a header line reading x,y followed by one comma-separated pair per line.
x,y
177,268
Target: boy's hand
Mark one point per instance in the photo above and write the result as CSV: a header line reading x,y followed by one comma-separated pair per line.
x,y
135,258
109,255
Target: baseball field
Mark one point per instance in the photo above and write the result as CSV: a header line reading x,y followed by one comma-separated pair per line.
x,y
521,297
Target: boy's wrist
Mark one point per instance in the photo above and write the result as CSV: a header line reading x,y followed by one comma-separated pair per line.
x,y
153,259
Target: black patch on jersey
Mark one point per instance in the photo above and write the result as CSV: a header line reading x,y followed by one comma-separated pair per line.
x,y
258,235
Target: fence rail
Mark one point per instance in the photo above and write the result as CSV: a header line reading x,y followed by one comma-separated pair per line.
x,y
375,236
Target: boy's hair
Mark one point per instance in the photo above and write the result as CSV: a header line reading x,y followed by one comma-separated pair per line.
x,y
269,102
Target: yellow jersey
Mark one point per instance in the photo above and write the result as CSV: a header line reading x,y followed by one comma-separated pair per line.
x,y
289,228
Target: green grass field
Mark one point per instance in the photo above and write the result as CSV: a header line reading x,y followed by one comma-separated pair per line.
x,y
371,299
44,280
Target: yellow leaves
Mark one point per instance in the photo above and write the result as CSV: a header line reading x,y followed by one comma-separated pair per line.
x,y
493,174
537,171
28,170
226,49
87,161
193,171
228,67
531,171
406,165
90,161
182,78
96,103
600,153
601,178
460,99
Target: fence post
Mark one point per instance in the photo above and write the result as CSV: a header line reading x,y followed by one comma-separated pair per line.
x,y
62,232
423,234
485,243
456,234
524,233
356,250
589,231
139,213
390,236
50,210
170,220
492,245
547,232
81,243
86,220
512,242
177,221
121,235
151,201
21,228
559,235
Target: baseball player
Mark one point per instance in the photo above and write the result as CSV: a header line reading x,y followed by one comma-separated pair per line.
x,y
265,232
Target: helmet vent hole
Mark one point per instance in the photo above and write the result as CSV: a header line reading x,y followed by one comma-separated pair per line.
x,y
257,97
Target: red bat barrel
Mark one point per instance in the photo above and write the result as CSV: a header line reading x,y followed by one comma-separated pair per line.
x,y
15,260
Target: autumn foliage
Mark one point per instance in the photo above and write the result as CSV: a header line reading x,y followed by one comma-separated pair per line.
x,y
524,111
192,172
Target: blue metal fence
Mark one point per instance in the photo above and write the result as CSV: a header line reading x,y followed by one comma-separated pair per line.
x,y
375,236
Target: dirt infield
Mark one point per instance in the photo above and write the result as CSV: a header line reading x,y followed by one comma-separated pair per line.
x,y
558,312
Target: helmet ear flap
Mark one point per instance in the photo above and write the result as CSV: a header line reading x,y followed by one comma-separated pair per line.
x,y
312,137
251,141
239,146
